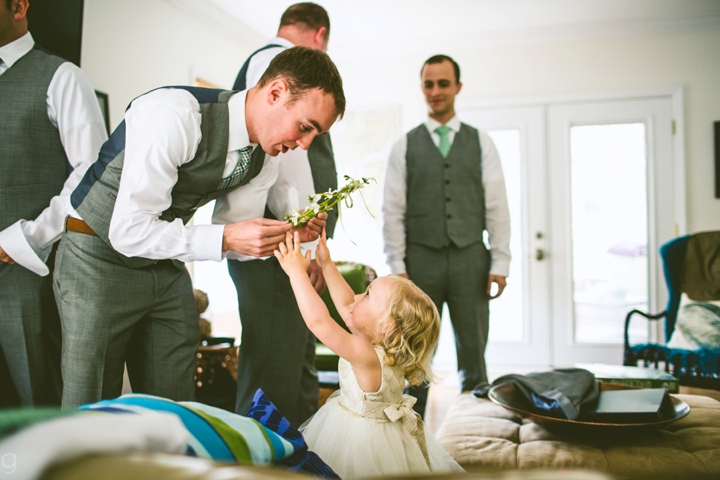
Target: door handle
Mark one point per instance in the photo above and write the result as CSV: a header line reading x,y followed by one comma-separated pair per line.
x,y
539,254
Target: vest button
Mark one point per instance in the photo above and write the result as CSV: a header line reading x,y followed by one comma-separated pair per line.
x,y
447,165
449,216
447,182
447,199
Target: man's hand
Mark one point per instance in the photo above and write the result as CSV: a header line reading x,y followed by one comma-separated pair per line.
x,y
258,237
317,279
500,283
5,257
290,257
311,230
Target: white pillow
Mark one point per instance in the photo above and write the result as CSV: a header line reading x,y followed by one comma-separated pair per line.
x,y
697,326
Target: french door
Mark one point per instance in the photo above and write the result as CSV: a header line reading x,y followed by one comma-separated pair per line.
x,y
593,193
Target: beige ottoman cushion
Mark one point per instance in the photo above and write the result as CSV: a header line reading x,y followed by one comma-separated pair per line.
x,y
481,435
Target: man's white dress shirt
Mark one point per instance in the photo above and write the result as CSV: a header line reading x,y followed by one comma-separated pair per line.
x,y
294,181
497,214
73,108
162,134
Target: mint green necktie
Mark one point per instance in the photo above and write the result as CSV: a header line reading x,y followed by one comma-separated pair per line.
x,y
444,145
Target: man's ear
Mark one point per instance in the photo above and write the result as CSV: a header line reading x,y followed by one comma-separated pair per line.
x,y
276,90
19,10
459,87
320,36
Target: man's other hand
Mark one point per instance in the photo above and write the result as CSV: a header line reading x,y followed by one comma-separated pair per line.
x,y
500,281
5,257
311,230
257,237
316,277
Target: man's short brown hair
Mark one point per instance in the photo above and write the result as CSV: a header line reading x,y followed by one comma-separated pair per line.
x,y
441,59
304,69
307,13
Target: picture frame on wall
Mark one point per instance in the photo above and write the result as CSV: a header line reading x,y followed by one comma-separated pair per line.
x,y
104,108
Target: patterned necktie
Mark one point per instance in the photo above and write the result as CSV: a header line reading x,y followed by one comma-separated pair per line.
x,y
444,145
240,171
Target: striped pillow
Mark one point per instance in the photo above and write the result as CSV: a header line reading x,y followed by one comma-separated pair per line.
x,y
214,433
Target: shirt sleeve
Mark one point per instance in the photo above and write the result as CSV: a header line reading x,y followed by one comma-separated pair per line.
x,y
497,213
73,108
162,134
394,206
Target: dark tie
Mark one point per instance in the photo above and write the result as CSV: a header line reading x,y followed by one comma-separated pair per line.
x,y
240,171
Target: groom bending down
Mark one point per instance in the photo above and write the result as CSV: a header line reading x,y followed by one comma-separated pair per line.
x,y
123,292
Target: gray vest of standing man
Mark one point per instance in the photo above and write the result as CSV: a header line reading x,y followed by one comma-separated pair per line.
x,y
452,210
34,167
28,133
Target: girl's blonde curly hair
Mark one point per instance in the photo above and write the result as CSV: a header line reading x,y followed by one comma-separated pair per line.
x,y
410,332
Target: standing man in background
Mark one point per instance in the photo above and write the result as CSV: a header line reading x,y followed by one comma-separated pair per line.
x,y
444,186
278,350
52,129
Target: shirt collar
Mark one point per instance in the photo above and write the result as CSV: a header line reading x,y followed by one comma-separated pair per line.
x,y
239,137
453,123
283,42
15,50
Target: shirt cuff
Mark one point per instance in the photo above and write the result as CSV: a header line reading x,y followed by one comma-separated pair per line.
x,y
397,267
208,242
500,267
15,244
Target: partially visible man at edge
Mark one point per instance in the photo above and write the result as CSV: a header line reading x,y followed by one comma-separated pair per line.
x,y
52,130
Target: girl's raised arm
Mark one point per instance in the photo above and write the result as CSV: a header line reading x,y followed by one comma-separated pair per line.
x,y
352,348
342,295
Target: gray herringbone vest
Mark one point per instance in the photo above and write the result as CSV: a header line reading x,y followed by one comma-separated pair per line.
x,y
32,159
198,180
445,196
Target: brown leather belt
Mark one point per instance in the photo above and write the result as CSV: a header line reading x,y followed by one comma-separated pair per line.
x,y
77,225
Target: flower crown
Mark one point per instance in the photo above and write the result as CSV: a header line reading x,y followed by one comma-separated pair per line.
x,y
322,202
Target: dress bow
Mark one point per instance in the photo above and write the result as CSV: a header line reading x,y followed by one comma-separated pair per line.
x,y
399,410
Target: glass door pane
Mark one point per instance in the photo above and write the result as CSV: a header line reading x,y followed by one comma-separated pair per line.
x,y
519,335
609,228
612,203
506,311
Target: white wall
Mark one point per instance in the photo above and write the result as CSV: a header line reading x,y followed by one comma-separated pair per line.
x,y
691,60
132,46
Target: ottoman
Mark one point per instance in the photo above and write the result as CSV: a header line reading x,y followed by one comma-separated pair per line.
x,y
483,436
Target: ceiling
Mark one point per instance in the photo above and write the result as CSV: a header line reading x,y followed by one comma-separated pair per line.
x,y
382,28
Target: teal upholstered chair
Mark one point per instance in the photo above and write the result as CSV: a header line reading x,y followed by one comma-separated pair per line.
x,y
696,368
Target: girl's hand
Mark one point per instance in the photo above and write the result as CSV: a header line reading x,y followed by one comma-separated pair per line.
x,y
322,254
290,257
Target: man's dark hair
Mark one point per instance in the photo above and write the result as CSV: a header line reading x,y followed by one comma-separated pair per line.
x,y
304,69
9,4
307,13
439,59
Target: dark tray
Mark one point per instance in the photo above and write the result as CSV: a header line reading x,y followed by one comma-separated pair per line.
x,y
507,395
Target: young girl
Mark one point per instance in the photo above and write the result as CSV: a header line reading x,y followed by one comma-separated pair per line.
x,y
369,428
